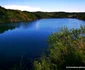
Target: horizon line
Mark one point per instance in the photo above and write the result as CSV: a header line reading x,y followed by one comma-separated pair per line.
x,y
45,11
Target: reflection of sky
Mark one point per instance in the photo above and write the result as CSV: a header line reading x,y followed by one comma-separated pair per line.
x,y
30,38
37,25
42,26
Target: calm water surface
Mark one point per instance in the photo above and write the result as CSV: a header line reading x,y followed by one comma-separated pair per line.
x,y
30,39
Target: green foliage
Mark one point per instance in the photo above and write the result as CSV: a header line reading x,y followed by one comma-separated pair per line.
x,y
44,64
66,48
7,15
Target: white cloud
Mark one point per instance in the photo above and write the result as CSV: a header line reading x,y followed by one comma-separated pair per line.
x,y
33,9
23,8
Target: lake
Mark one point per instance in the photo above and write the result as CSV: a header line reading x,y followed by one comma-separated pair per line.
x,y
29,39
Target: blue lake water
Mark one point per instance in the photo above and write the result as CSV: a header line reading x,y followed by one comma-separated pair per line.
x,y
30,38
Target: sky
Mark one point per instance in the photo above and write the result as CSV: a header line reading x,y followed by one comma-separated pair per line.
x,y
45,5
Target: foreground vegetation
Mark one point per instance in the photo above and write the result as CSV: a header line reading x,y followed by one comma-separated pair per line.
x,y
9,16
66,48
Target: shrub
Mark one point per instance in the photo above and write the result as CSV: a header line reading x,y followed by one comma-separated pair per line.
x,y
66,48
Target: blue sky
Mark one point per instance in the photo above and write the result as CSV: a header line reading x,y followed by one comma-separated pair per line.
x,y
45,5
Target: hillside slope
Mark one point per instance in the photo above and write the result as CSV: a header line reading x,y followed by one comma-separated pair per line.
x,y
8,16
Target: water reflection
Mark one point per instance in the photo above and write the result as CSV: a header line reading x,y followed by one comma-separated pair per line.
x,y
6,27
30,38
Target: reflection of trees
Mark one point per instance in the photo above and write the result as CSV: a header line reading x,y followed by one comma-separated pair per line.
x,y
5,27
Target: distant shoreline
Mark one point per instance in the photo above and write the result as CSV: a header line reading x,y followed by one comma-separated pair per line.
x,y
10,16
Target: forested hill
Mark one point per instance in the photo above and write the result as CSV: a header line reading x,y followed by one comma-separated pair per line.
x,y
8,16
